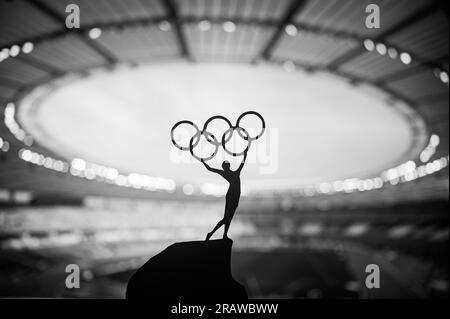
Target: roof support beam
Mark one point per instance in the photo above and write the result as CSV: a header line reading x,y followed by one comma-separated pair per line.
x,y
401,74
10,84
433,98
174,18
39,64
295,7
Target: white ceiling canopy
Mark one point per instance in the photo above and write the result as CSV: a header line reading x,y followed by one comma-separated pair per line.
x,y
319,127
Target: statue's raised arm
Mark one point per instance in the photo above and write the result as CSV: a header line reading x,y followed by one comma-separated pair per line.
x,y
242,163
209,168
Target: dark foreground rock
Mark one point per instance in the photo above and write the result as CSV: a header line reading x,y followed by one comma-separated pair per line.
x,y
198,269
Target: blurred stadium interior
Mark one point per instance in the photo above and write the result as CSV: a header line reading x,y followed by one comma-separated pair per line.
x,y
308,239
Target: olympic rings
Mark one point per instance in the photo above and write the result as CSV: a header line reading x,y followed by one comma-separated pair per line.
x,y
262,122
226,136
230,132
214,142
217,117
185,148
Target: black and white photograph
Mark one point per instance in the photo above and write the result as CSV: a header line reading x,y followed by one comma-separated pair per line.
x,y
237,152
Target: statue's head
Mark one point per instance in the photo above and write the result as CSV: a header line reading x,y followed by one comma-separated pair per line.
x,y
226,165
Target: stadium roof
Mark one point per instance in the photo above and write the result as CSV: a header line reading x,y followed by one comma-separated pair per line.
x,y
407,59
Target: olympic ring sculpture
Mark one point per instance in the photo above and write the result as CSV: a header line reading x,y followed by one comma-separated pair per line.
x,y
226,136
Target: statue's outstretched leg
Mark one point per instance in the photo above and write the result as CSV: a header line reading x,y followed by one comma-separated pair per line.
x,y
229,213
220,223
227,226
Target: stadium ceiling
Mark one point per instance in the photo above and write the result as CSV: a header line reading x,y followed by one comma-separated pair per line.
x,y
407,58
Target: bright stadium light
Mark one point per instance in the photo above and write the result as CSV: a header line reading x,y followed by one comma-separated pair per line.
x,y
4,53
435,140
204,25
95,33
289,66
229,26
291,30
164,25
393,53
188,189
14,51
443,76
79,164
369,45
27,47
381,48
405,58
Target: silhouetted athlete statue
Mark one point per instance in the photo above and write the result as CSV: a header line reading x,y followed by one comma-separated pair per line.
x,y
233,193
232,177
199,269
